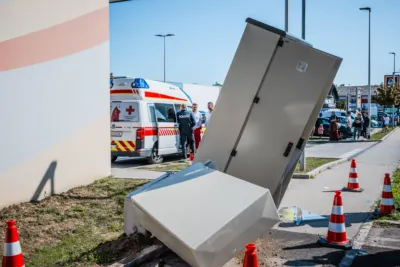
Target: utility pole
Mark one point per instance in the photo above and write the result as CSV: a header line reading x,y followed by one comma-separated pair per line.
x,y
393,82
369,65
303,20
286,15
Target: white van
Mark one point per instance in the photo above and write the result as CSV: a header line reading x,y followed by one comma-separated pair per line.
x,y
143,118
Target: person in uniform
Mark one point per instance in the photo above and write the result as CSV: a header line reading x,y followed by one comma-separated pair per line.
x,y
197,127
186,122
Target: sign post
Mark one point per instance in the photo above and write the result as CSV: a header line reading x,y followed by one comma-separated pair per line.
x,y
388,81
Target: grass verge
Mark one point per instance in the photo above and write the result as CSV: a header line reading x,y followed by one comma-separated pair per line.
x,y
313,163
381,134
396,197
168,166
82,227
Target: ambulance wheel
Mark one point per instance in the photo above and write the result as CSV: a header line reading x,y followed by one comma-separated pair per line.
x,y
113,158
155,158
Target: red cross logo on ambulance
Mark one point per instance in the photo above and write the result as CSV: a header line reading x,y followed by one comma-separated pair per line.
x,y
130,110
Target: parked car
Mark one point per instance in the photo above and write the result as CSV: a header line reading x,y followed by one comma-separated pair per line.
x,y
343,134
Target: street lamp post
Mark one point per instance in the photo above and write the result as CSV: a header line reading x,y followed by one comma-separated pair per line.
x,y
369,64
303,20
393,80
286,15
164,36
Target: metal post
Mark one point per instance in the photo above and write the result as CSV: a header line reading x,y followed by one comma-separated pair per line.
x,y
369,71
286,15
303,162
303,17
394,84
164,36
164,59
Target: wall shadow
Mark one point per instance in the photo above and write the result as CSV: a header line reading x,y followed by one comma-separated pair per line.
x,y
48,176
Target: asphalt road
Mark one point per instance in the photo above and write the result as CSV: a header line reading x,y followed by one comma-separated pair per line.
x,y
327,150
335,150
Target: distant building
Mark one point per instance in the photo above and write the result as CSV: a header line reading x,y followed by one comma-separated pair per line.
x,y
344,90
331,98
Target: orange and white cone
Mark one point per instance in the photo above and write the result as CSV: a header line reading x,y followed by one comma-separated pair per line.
x,y
12,256
387,202
353,185
336,236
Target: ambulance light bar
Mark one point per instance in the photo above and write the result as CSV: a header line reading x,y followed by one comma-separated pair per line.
x,y
139,83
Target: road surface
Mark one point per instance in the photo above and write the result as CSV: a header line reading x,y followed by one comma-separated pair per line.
x,y
336,150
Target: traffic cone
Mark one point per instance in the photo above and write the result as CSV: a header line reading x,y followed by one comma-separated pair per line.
x,y
353,185
336,237
387,202
12,256
250,258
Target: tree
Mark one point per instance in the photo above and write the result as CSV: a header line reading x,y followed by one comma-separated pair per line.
x,y
340,104
387,95
217,84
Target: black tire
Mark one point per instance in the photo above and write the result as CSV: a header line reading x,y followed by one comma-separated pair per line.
x,y
155,158
113,158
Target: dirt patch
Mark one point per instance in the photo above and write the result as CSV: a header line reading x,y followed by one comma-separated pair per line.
x,y
169,166
82,227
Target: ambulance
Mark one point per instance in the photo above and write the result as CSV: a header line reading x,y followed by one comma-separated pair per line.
x,y
143,118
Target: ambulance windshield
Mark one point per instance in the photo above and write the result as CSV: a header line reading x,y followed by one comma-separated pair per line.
x,y
124,112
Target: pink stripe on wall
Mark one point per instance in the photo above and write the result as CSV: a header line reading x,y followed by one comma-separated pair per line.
x,y
58,41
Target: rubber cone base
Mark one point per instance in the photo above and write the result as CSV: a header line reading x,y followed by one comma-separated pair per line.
x,y
323,242
358,190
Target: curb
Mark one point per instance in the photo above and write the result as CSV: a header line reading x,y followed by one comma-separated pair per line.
x,y
319,169
341,142
142,257
388,222
358,242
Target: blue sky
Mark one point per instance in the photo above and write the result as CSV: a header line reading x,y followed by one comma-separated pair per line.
x,y
208,32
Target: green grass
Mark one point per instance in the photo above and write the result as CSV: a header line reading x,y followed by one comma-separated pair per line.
x,y
381,134
313,163
396,197
82,227
169,166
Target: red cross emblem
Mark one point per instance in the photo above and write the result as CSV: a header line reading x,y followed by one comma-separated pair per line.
x,y
130,110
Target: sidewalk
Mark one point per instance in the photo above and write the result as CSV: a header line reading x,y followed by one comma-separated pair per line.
x,y
316,195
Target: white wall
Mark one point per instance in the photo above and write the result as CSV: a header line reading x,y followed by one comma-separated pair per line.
x,y
54,96
202,94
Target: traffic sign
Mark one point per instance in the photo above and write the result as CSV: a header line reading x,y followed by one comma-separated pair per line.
x,y
388,80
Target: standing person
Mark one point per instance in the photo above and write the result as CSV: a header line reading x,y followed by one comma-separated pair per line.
x,y
210,106
348,124
333,129
321,130
197,128
365,127
386,122
186,122
357,124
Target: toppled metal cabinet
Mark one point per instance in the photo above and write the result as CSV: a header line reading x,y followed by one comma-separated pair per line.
x,y
268,104
203,215
267,107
